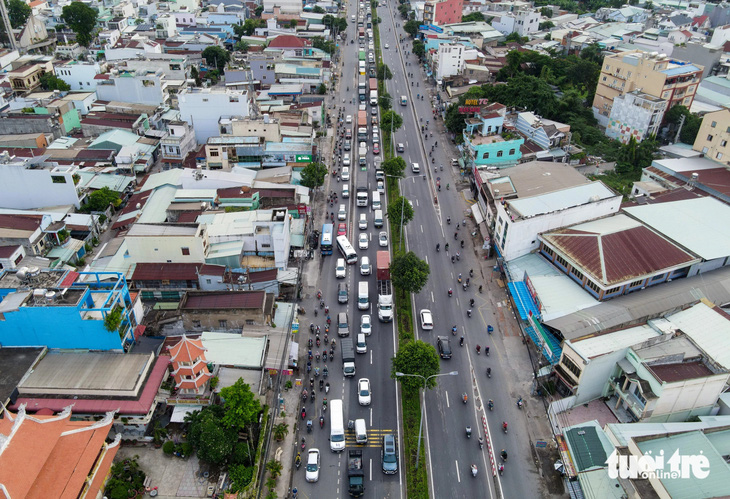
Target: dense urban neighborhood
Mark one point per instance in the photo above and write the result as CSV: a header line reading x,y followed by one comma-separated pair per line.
x,y
239,239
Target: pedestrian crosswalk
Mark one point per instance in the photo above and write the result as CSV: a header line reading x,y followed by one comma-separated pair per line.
x,y
375,438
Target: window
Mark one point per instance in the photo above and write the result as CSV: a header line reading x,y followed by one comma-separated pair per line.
x,y
577,273
608,67
213,152
561,261
594,286
547,251
713,124
704,150
511,152
485,155
613,290
570,366
636,283
196,324
719,156
723,143
250,322
222,323
500,153
709,138
185,251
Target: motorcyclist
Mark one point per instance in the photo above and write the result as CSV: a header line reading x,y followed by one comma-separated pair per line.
x,y
489,372
479,349
486,350
461,342
490,404
451,292
446,246
504,425
504,454
438,246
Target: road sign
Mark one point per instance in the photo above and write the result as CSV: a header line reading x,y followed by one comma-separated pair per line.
x,y
540,444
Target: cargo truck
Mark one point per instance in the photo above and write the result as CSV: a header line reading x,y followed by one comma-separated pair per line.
x,y
355,473
385,290
373,82
373,97
348,357
362,87
362,125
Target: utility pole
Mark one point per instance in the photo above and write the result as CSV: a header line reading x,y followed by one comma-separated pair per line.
x,y
679,128
8,26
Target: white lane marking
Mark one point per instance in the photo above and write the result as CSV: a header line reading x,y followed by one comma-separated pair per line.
x,y
446,395
458,476
371,357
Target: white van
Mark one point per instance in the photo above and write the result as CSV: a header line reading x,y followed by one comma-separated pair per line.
x,y
337,426
345,190
365,268
376,201
363,299
378,222
361,346
361,432
415,168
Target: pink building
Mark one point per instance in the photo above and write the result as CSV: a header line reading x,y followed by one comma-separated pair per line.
x,y
442,12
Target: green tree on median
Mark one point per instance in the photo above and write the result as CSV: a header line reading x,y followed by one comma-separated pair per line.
x,y
400,210
391,119
394,167
415,357
408,272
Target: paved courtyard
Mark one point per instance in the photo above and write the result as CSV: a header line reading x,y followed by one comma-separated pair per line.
x,y
173,477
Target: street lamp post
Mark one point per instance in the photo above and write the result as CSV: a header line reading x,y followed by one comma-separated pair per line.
x,y
402,207
420,426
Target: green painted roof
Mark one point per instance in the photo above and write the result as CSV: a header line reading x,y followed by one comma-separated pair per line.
x,y
586,447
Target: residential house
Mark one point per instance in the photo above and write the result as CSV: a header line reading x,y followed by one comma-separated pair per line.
x,y
79,75
94,309
546,133
129,48
487,142
657,75
26,77
441,12
33,35
449,61
139,86
712,139
522,22
178,142
635,114
679,36
625,14
720,36
51,455
167,243
679,21
25,186
204,107
226,310
11,256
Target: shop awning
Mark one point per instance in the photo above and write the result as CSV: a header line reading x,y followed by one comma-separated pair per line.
x,y
477,212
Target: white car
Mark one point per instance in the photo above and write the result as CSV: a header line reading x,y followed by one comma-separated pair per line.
x,y
363,223
340,269
342,213
345,175
348,119
387,46
366,326
363,241
365,268
346,160
312,465
426,320
383,239
381,187
363,391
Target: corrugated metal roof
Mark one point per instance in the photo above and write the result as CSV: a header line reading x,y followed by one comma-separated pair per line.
x,y
560,200
225,300
700,224
166,271
234,350
646,304
586,448
617,249
601,344
709,328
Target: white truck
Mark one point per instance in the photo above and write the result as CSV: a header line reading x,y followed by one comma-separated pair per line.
x,y
348,357
373,97
385,290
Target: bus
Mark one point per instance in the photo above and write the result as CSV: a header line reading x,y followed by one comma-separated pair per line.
x,y
347,250
325,242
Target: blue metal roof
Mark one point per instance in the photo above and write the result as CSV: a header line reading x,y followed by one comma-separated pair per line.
x,y
689,68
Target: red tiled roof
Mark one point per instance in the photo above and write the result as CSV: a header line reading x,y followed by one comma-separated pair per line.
x,y
697,21
212,270
7,251
286,41
681,371
186,350
189,216
166,271
225,300
99,406
69,279
618,256
20,222
262,275
233,193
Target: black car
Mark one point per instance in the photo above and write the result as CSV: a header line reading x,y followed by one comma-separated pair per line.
x,y
444,346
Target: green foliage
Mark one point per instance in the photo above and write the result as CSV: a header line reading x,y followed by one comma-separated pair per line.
x,y
473,17
195,75
99,200
82,20
280,431
293,24
546,12
384,101
313,175
415,357
400,207
326,46
50,81
411,27
546,25
515,37
274,468
258,11
691,125
216,57
318,10
168,447
113,319
209,435
126,480
242,46
241,404
322,89
408,272
18,12
391,121
384,72
593,53
633,157
243,453
404,11
419,49
338,23
394,167
248,27
240,476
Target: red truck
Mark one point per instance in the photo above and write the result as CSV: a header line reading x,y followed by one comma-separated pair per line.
x,y
373,84
362,125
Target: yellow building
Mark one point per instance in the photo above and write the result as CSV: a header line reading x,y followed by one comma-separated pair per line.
x,y
712,139
657,75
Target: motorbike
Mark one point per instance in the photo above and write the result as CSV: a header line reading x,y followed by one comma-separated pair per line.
x,y
324,356
310,343
474,470
325,372
461,342
304,413
465,398
519,403
311,396
327,388
489,327
321,385
304,443
481,443
298,460
450,292
309,426
504,426
321,422
316,372
318,342
459,278
479,350
438,248
324,405
305,394
453,331
468,432
503,454
491,405
468,312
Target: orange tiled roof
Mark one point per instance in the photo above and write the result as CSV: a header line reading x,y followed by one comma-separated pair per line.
x,y
187,350
50,456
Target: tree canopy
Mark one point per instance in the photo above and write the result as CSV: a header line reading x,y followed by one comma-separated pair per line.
x,y
391,119
473,17
210,437
419,49
394,167
384,101
408,272
216,57
415,357
49,81
400,207
691,125
327,46
313,175
82,20
241,405
384,72
18,13
99,200
411,27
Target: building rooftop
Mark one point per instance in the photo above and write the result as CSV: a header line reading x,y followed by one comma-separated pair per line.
x,y
532,206
649,303
166,271
601,344
224,300
88,374
234,350
536,177
617,249
709,328
162,230
681,371
15,362
699,224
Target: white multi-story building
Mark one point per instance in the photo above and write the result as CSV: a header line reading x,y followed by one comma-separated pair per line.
x,y
166,244
204,107
450,60
284,6
26,187
177,143
523,22
79,75
140,87
635,114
